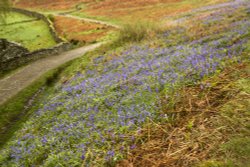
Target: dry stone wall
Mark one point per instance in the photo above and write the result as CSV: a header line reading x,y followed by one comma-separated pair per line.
x,y
11,51
13,55
40,16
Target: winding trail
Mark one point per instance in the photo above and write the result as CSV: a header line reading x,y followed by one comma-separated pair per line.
x,y
13,84
88,20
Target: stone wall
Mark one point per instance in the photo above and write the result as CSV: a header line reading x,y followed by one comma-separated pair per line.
x,y
13,55
10,51
40,16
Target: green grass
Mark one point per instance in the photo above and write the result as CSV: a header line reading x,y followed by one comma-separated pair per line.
x,y
33,35
237,112
15,106
234,116
13,17
13,112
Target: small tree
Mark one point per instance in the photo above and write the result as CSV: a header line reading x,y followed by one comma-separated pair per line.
x,y
4,9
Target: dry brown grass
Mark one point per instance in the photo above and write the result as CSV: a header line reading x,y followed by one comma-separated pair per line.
x,y
77,30
124,11
197,129
127,10
50,5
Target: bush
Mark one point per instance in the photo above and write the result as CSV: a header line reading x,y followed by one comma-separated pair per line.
x,y
138,31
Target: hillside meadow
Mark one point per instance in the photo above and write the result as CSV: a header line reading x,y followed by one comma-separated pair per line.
x,y
170,89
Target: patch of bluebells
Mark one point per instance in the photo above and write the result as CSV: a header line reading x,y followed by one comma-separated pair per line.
x,y
231,4
217,11
90,118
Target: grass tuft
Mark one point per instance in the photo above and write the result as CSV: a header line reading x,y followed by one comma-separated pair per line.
x,y
138,31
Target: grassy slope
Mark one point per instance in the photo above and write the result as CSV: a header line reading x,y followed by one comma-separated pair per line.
x,y
207,127
85,32
32,35
189,125
123,12
17,110
14,112
120,13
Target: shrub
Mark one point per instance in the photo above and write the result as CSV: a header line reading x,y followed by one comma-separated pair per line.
x,y
138,31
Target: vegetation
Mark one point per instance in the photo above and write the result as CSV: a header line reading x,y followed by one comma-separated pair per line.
x,y
124,12
31,33
18,109
81,32
179,98
205,127
138,31
4,8
101,18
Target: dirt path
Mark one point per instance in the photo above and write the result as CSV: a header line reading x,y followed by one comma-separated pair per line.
x,y
88,20
11,85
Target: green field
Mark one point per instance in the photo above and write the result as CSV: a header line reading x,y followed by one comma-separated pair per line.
x,y
30,33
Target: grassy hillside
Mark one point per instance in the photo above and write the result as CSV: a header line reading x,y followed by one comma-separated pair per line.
x,y
31,33
127,10
82,31
121,11
52,5
207,126
178,98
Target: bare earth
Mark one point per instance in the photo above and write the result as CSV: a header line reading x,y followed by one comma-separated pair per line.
x,y
11,85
